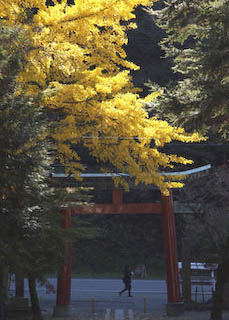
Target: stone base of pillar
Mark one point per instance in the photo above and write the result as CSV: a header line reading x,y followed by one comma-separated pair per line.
x,y
17,308
62,311
174,309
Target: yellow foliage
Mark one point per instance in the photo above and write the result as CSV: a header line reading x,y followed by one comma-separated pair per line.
x,y
78,64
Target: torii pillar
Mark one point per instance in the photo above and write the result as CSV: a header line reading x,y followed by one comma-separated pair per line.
x,y
174,305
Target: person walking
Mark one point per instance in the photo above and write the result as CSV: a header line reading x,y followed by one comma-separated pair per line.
x,y
127,277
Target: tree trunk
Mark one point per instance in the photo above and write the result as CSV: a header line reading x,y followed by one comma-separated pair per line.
x,y
37,315
3,288
186,274
221,279
19,281
186,281
3,282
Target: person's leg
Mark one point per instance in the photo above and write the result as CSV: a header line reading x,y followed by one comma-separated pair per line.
x,y
129,290
126,288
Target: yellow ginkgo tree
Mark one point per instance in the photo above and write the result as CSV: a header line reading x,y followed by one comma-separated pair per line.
x,y
78,65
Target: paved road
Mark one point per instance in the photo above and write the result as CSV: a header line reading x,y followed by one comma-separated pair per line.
x,y
98,294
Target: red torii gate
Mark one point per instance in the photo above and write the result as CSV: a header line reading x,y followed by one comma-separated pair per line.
x,y
165,206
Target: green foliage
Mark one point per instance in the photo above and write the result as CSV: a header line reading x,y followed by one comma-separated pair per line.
x,y
13,49
120,239
207,229
197,40
144,42
31,237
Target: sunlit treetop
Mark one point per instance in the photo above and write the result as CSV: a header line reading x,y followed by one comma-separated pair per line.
x,y
78,64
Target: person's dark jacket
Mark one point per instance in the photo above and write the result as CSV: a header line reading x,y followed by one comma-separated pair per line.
x,y
127,275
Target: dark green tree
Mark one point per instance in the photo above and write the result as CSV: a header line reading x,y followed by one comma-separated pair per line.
x,y
144,50
32,240
196,39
